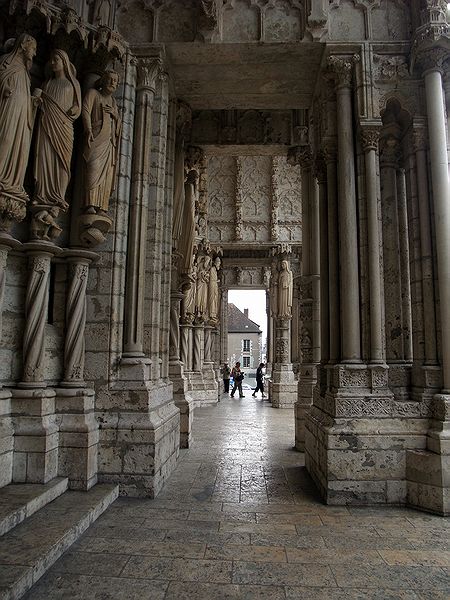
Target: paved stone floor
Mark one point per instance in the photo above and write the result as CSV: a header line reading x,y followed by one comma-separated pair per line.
x,y
240,519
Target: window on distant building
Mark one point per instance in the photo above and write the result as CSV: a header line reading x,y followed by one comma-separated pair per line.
x,y
246,361
246,345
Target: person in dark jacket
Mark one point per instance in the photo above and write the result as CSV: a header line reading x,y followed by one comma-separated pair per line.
x,y
226,378
259,380
238,377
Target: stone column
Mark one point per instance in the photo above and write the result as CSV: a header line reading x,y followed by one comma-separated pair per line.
x,y
75,403
178,353
7,243
369,139
333,254
148,71
197,350
348,228
441,195
224,326
427,472
33,404
429,308
405,274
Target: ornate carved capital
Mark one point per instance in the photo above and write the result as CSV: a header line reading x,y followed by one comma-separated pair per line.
x,y
300,155
320,168
342,68
148,71
419,139
329,151
370,137
194,157
391,151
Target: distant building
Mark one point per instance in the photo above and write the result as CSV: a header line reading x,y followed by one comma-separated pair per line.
x,y
244,339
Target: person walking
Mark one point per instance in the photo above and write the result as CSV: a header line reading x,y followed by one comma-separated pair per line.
x,y
259,380
226,378
237,376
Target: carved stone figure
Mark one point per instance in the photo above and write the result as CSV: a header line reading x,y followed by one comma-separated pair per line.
x,y
213,295
102,126
44,225
60,106
285,291
202,288
102,12
16,124
189,295
188,233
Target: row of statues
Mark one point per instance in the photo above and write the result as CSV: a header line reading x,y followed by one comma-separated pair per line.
x,y
52,111
201,292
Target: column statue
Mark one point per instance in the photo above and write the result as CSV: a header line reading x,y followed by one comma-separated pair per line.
x,y
60,106
189,295
213,292
16,125
285,291
102,127
202,288
188,232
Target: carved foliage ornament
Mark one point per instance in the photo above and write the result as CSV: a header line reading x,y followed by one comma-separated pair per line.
x,y
342,68
369,138
148,70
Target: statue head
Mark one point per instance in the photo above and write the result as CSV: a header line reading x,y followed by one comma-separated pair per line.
x,y
108,82
217,262
23,47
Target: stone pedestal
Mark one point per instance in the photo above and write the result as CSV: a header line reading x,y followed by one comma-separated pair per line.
x,y
78,437
283,387
140,431
6,438
356,444
35,435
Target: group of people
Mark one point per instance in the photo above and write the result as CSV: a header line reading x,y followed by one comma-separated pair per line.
x,y
238,377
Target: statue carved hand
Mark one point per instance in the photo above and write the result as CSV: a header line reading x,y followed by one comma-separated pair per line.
x,y
89,138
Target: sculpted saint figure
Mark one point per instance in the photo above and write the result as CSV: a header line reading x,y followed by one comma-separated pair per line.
x,y
285,291
61,105
189,294
188,231
102,126
213,296
16,117
202,288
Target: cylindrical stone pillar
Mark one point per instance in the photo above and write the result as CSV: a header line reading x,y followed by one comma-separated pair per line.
x,y
323,249
74,347
348,226
148,71
441,195
405,275
370,139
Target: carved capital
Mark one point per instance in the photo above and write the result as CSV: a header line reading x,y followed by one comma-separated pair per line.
x,y
300,155
433,59
342,69
320,168
370,137
419,139
329,151
391,151
194,157
148,71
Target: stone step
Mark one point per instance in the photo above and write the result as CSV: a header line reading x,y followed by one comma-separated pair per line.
x,y
28,551
21,500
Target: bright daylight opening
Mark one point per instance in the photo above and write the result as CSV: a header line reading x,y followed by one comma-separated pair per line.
x,y
247,332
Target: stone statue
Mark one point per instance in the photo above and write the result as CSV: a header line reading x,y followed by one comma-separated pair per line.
x,y
102,12
188,232
285,291
60,106
16,125
189,295
44,225
102,126
202,288
213,294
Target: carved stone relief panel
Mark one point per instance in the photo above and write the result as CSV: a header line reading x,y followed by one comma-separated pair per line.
x,y
255,192
391,20
287,189
252,277
241,21
346,23
176,21
135,21
283,21
221,195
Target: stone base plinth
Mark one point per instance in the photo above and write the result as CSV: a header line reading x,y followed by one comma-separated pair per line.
x,y
6,438
78,437
307,379
283,387
139,437
202,391
357,441
36,435
184,401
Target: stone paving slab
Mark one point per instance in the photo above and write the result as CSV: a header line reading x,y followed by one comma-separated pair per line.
x,y
19,501
275,541
29,550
